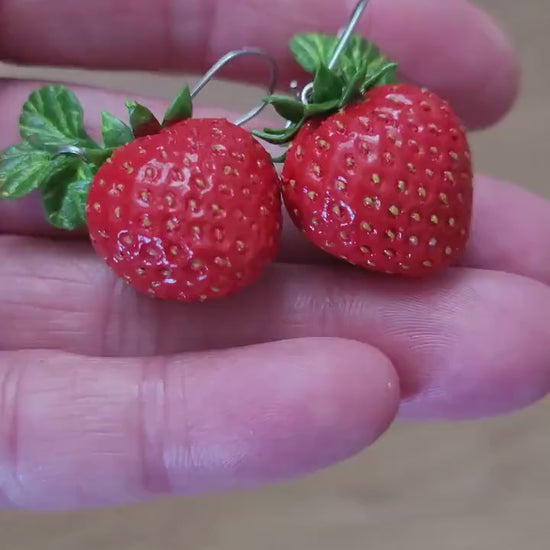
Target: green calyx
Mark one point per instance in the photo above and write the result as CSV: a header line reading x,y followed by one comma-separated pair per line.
x,y
57,157
359,67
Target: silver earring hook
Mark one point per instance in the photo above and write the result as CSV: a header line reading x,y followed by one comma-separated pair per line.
x,y
347,31
227,58
344,35
222,62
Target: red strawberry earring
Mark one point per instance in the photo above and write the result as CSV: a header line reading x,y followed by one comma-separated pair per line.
x,y
377,173
185,209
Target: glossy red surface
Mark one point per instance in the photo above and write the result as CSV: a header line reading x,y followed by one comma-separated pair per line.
x,y
385,184
188,214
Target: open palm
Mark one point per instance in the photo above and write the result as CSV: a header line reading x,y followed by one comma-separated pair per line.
x,y
107,397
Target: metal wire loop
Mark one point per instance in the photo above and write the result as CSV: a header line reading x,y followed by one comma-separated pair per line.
x,y
227,58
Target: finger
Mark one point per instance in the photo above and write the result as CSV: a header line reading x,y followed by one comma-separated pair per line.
x,y
510,230
451,47
81,432
469,343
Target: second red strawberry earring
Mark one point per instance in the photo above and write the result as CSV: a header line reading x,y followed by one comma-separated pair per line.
x,y
184,209
377,173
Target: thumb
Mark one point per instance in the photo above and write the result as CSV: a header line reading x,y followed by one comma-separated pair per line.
x,y
81,432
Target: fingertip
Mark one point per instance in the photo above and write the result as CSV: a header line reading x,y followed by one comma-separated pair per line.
x,y
522,251
496,348
305,404
372,374
498,89
367,384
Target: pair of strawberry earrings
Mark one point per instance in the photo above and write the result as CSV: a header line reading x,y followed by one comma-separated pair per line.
x,y
376,173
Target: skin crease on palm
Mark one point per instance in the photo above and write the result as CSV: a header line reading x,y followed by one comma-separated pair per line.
x,y
109,398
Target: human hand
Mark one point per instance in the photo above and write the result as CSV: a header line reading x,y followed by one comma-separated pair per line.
x,y
108,398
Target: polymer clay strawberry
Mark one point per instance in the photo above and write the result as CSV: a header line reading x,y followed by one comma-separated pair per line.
x,y
377,173
188,209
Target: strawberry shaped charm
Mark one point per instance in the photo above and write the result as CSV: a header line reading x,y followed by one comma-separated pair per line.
x,y
377,173
188,209
191,212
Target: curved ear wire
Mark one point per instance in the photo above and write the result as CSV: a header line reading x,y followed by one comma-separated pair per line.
x,y
73,150
227,58
344,35
346,31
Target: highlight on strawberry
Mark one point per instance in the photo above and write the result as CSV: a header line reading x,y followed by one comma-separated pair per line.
x,y
377,173
186,209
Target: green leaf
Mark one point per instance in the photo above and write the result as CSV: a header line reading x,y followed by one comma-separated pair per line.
x,y
142,120
22,169
359,66
326,86
311,50
65,193
272,131
389,77
289,108
352,89
180,109
51,118
357,56
362,55
115,132
280,159
283,136
315,109
385,75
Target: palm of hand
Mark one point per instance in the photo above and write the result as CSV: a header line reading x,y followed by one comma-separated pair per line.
x,y
138,397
